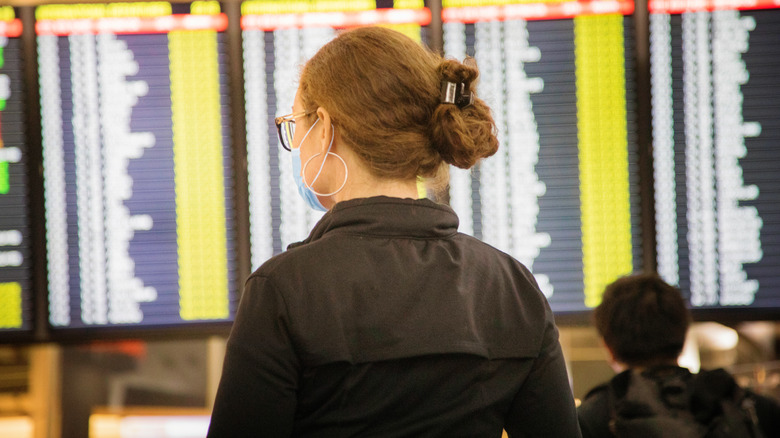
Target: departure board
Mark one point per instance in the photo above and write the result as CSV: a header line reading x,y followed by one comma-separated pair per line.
x,y
278,38
15,276
137,164
561,194
716,127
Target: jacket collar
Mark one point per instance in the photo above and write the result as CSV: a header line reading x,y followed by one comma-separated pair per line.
x,y
385,216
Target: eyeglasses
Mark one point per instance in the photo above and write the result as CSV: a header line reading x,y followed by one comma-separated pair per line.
x,y
285,125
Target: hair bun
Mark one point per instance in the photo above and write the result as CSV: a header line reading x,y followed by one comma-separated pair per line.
x,y
455,71
463,136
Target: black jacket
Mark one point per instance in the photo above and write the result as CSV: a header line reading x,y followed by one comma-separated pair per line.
x,y
387,322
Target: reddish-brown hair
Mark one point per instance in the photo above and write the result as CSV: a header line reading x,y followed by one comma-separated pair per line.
x,y
383,92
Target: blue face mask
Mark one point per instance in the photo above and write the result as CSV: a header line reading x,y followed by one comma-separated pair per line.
x,y
305,191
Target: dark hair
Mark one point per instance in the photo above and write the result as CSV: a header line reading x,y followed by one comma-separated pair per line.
x,y
383,91
643,320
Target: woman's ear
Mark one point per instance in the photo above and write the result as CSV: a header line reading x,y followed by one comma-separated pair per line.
x,y
326,133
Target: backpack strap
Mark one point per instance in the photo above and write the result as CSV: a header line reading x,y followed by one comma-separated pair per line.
x,y
616,390
716,393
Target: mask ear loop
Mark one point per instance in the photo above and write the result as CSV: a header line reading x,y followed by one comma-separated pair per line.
x,y
305,165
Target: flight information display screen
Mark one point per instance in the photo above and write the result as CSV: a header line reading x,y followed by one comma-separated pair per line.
x,y
137,164
15,268
278,38
716,127
561,195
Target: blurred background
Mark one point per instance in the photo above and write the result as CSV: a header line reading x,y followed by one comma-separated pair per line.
x,y
141,181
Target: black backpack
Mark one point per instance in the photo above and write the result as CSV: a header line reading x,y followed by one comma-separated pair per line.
x,y
671,402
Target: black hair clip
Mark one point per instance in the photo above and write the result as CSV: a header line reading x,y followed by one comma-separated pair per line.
x,y
456,94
